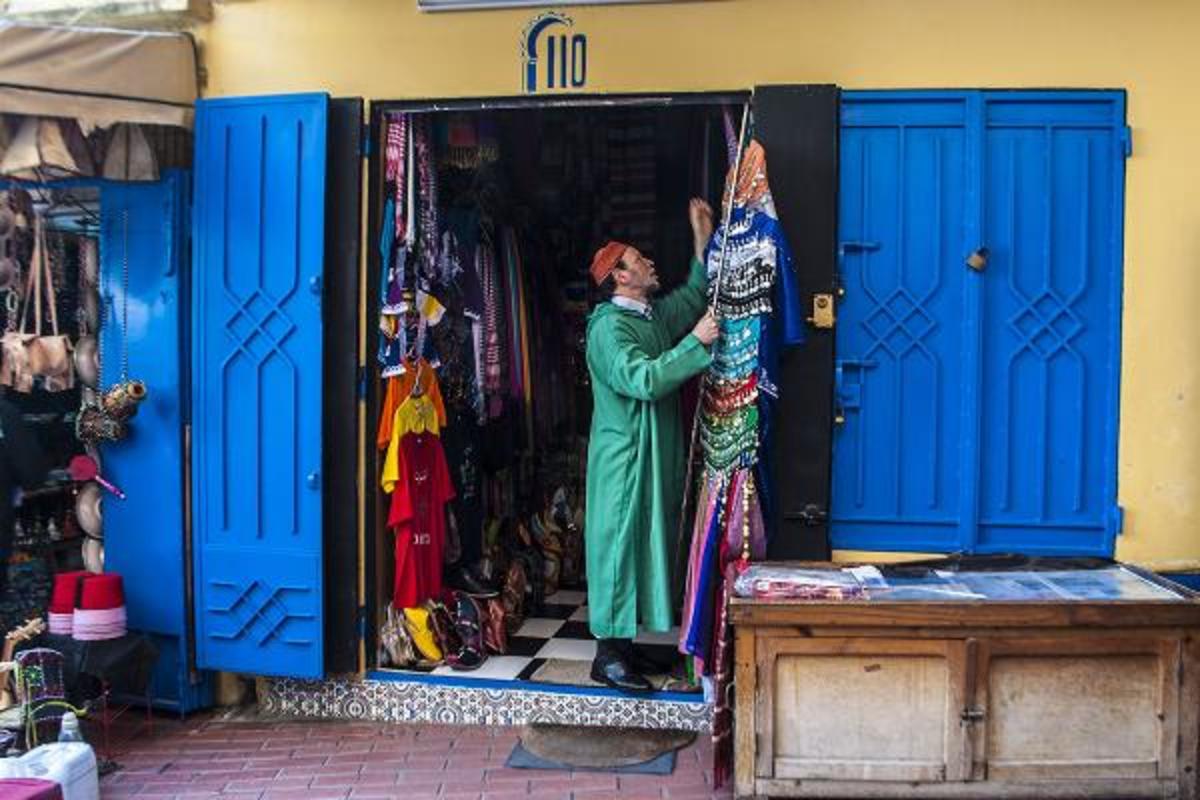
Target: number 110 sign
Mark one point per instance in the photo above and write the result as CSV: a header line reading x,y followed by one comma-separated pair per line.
x,y
554,55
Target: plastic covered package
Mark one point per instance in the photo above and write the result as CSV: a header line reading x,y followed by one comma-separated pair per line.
x,y
766,582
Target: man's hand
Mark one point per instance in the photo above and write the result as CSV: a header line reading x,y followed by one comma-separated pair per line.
x,y
706,329
700,214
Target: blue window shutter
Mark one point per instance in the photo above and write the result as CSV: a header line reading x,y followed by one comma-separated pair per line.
x,y
978,402
1054,172
899,375
258,234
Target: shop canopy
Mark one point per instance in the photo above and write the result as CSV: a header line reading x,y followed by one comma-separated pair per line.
x,y
99,77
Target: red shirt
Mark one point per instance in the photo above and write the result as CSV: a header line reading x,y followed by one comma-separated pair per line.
x,y
418,515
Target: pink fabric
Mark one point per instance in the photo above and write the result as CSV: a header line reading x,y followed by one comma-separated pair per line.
x,y
396,158
96,626
29,789
60,623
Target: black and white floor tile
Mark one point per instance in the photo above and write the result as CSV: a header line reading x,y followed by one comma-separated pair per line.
x,y
559,631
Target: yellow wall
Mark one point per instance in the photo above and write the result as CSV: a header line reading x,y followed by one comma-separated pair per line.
x,y
385,49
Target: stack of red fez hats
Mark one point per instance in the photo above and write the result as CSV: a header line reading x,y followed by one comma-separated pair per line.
x,y
88,607
63,599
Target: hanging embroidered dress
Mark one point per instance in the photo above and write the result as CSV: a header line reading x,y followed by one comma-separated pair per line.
x,y
758,313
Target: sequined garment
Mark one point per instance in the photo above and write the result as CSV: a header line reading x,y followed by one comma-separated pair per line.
x,y
427,191
735,406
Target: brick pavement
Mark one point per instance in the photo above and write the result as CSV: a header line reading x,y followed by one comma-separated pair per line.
x,y
262,760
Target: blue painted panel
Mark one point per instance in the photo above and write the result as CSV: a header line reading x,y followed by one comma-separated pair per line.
x,y
899,332
144,227
1054,169
141,235
259,249
1018,451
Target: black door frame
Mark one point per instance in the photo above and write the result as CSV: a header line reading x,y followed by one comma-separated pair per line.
x,y
803,512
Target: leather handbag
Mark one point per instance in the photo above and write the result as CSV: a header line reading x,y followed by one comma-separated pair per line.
x,y
468,621
395,644
495,636
513,596
29,355
444,629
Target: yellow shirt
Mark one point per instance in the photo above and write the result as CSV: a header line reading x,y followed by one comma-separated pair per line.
x,y
415,415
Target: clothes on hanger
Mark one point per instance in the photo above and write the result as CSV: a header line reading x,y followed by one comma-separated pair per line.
x,y
418,516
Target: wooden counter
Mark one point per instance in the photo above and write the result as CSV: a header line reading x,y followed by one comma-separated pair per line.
x,y
967,699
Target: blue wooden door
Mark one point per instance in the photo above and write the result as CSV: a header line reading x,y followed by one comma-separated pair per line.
x,y
900,331
141,233
259,248
1054,173
977,404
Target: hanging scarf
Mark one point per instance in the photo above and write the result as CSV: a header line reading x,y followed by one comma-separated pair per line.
x,y
491,330
427,238
731,137
396,171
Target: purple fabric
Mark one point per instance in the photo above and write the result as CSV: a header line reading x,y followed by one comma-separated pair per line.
x,y
700,626
29,789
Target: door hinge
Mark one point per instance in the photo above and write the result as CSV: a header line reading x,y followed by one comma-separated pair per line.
x,y
811,515
1125,137
360,622
364,141
361,383
1116,520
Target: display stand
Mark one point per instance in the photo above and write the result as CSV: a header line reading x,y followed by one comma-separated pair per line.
x,y
969,698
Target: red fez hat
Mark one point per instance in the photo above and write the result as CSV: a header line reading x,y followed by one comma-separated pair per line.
x,y
102,592
66,591
606,259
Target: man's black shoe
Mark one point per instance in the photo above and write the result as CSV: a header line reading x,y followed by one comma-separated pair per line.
x,y
613,672
464,580
647,662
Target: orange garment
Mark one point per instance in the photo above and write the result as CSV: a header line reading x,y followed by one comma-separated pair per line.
x,y
399,389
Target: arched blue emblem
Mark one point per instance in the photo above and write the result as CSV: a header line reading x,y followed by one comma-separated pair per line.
x,y
563,65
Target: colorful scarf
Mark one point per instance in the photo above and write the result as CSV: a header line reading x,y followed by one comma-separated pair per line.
x,y
396,171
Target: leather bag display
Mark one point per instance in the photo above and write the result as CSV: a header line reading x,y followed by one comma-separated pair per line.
x,y
28,355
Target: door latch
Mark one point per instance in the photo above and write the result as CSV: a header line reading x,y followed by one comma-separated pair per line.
x,y
811,515
978,260
973,715
822,313
844,249
847,394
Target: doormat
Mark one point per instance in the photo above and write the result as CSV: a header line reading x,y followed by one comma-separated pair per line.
x,y
568,672
595,749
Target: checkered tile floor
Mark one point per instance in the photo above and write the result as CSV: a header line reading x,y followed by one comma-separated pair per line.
x,y
560,631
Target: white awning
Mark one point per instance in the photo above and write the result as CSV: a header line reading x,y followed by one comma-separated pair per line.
x,y
99,77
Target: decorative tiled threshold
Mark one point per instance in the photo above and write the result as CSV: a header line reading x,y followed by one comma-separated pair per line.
x,y
460,703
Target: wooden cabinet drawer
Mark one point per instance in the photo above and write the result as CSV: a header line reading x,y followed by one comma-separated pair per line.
x,y
830,709
1069,708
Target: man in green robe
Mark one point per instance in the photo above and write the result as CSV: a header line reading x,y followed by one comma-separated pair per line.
x,y
640,351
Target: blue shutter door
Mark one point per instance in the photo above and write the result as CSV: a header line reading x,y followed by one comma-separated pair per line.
x,y
898,379
139,231
259,249
1054,172
979,408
